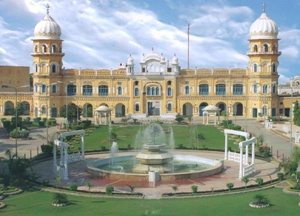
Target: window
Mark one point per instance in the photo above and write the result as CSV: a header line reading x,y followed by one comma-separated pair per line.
x,y
119,83
36,67
153,91
136,83
71,90
220,89
265,89
44,88
87,90
274,89
237,89
255,88
169,107
120,90
203,89
103,90
255,48
53,48
136,92
255,68
169,91
137,107
265,110
44,48
43,110
53,68
187,82
187,90
53,88
273,68
169,82
265,47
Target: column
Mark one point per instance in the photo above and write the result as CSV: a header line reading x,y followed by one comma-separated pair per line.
x,y
241,163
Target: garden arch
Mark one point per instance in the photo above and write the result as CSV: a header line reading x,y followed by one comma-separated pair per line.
x,y
62,168
242,159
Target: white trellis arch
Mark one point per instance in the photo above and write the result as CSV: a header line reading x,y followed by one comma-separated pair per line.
x,y
62,168
242,159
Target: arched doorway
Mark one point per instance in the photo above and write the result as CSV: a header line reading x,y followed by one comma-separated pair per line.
x,y
9,108
25,108
187,109
238,109
222,107
87,110
120,110
201,107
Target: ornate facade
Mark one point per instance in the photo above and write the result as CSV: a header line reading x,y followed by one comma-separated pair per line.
x,y
160,87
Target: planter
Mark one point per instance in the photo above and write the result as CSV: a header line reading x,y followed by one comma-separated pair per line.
x,y
258,205
59,204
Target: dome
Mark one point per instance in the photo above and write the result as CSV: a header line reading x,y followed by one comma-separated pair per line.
x,y
103,108
152,56
174,60
47,28
264,28
130,61
211,108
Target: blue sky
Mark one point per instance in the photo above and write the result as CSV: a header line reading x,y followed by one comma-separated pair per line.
x,y
103,33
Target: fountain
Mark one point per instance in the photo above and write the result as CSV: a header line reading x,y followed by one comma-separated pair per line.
x,y
154,155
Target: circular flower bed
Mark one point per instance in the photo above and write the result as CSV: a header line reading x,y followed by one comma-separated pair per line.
x,y
258,205
59,204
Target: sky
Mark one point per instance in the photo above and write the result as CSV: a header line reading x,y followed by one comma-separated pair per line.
x,y
101,34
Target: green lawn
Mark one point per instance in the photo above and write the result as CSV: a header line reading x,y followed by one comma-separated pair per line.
x,y
38,203
211,137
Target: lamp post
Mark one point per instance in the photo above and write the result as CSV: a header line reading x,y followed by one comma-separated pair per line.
x,y
16,111
227,96
67,120
291,116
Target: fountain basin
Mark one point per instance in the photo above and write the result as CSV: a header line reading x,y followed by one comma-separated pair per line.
x,y
97,169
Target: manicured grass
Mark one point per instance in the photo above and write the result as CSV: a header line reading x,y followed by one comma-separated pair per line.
x,y
38,203
184,136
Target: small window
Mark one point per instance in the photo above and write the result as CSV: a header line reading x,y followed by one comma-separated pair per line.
x,y
266,48
187,90
273,68
255,48
44,88
169,107
119,83
53,48
169,69
187,82
53,88
136,83
254,88
169,91
265,89
53,68
136,107
119,90
255,68
136,92
169,82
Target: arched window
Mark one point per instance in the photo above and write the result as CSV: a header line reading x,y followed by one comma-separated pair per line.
x,y
266,49
148,91
255,68
169,107
274,68
203,89
43,110
35,48
254,88
53,48
169,91
156,91
137,107
153,91
255,49
87,90
274,89
71,89
265,89
220,89
53,68
187,90
36,68
44,87
103,90
136,92
53,88
237,89
44,48
120,90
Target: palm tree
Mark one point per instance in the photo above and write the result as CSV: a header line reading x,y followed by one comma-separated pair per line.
x,y
89,185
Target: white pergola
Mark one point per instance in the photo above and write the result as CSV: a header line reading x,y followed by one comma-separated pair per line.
x,y
211,110
242,159
62,168
103,115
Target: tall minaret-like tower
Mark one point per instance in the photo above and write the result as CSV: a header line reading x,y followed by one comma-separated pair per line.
x,y
47,67
47,47
263,65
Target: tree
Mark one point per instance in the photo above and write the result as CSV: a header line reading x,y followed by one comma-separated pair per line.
x,y
72,112
57,181
89,185
261,199
132,188
245,179
175,188
179,118
230,186
259,181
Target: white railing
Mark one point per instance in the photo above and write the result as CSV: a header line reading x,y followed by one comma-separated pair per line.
x,y
233,156
74,157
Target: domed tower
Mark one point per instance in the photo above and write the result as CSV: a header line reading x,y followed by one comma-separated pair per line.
x,y
130,66
47,47
263,66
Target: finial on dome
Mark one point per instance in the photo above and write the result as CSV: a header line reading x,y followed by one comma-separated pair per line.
x,y
264,7
47,6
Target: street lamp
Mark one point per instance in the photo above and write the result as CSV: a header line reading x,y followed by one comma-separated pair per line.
x,y
227,96
16,111
67,121
291,116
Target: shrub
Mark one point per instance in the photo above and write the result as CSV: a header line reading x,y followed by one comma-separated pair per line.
x,y
194,188
19,133
73,187
45,182
59,198
27,119
109,190
87,123
47,149
289,167
265,151
230,186
179,118
261,199
280,176
259,181
6,124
